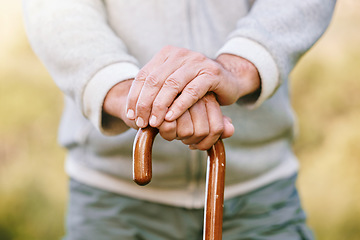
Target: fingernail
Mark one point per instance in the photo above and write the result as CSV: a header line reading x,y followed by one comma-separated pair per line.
x,y
140,122
130,114
169,115
153,120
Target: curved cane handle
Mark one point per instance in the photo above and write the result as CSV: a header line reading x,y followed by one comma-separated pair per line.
x,y
215,178
142,150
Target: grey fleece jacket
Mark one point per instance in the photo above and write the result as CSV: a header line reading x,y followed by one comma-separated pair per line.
x,y
88,46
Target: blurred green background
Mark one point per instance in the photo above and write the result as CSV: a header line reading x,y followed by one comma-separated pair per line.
x,y
325,93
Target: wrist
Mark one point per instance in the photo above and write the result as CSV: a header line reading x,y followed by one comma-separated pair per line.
x,y
244,73
115,100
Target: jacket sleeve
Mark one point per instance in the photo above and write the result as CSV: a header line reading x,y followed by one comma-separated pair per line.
x,y
81,52
274,35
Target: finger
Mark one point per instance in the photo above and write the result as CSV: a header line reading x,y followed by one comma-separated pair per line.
x,y
171,59
139,81
184,128
192,93
229,128
150,88
167,130
200,123
171,88
131,100
216,123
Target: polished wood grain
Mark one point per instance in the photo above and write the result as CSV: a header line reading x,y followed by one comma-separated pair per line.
x,y
142,150
215,182
215,178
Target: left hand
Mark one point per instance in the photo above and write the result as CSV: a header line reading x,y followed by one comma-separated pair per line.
x,y
176,78
200,126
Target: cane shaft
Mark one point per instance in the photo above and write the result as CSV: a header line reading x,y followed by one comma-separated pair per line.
x,y
215,181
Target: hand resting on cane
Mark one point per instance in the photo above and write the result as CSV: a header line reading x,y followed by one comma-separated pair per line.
x,y
199,127
183,84
176,78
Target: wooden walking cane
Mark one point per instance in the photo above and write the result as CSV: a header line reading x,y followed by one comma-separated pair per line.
x,y
215,178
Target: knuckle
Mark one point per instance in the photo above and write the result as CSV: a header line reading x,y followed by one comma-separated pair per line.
x,y
199,57
217,130
142,106
185,133
180,104
192,92
202,133
181,52
173,83
213,68
189,132
152,81
168,127
157,106
141,76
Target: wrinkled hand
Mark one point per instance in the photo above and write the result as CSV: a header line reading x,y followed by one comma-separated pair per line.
x,y
200,126
176,78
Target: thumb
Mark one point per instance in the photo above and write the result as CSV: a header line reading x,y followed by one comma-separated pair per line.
x,y
229,128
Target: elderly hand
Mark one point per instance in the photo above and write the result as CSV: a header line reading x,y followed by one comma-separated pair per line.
x,y
200,126
176,78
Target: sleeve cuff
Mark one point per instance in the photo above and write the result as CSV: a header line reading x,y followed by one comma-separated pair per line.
x,y
263,61
96,90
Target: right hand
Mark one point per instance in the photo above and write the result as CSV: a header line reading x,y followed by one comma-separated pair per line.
x,y
176,78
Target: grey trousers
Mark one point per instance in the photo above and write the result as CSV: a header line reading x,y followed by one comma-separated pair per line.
x,y
272,213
